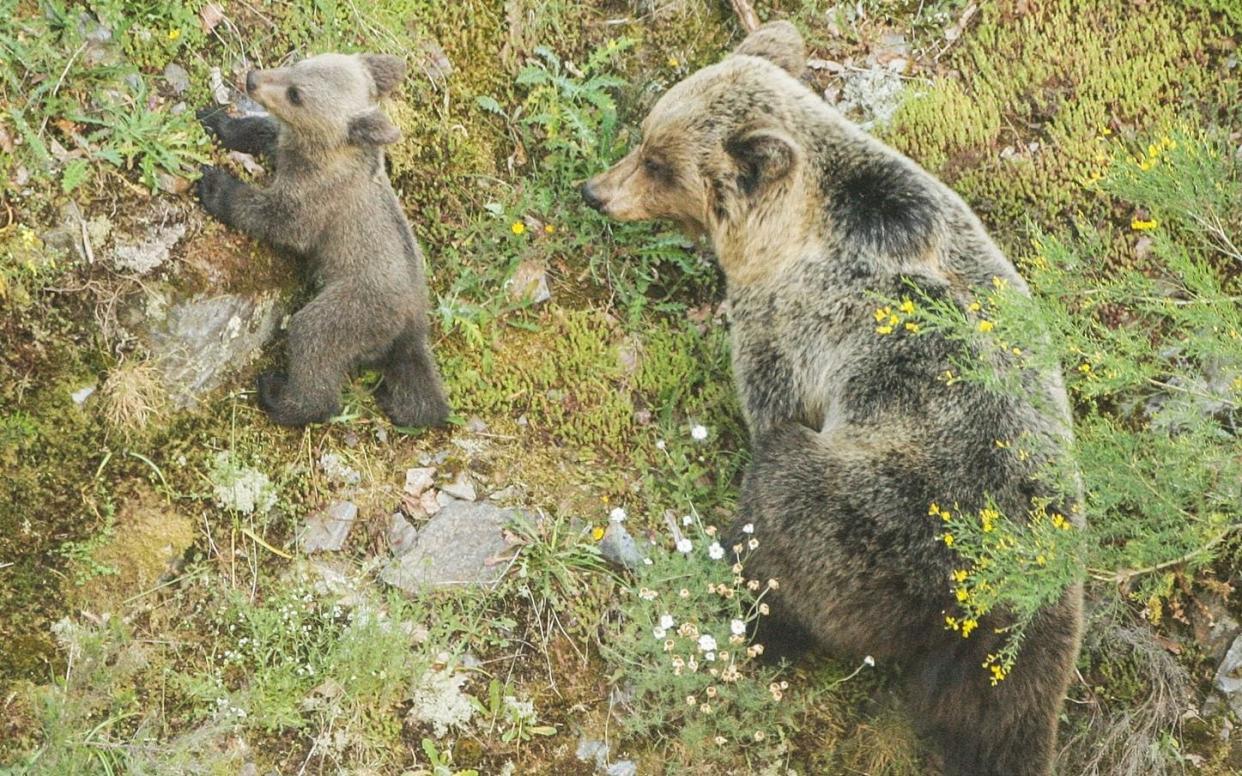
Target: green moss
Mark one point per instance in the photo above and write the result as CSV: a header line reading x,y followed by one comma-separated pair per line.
x,y
1061,76
564,378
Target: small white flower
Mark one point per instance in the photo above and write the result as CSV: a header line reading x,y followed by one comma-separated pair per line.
x,y
659,633
687,520
617,515
667,621
648,562
749,528
737,627
715,551
698,432
869,661
684,545
707,643
660,444
709,656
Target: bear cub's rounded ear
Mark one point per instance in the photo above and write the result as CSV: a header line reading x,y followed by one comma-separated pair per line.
x,y
779,42
372,128
386,70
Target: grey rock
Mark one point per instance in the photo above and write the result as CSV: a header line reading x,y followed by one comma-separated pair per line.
x,y
622,768
462,545
75,234
177,78
149,251
476,425
402,536
872,95
328,529
462,487
591,751
196,342
1229,677
618,547
82,394
529,283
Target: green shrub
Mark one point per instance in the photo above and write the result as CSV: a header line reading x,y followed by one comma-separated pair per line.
x,y
1151,346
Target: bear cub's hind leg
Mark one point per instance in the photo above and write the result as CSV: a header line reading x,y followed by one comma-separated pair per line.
x,y
411,393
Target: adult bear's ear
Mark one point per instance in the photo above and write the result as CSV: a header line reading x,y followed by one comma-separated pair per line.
x,y
386,70
763,157
779,42
372,128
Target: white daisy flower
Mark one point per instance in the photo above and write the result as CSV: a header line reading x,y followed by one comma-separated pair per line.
x,y
698,432
737,627
684,545
749,528
687,520
659,633
707,643
666,621
715,551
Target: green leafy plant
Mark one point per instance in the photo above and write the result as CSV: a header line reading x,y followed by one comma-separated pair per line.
x,y
1152,351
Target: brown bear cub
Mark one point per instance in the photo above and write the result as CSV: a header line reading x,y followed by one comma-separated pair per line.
x,y
330,201
855,434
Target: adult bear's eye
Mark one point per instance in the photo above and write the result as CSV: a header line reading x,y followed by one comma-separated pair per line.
x,y
657,169
294,95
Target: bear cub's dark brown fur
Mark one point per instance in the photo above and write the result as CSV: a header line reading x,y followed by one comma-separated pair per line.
x,y
330,201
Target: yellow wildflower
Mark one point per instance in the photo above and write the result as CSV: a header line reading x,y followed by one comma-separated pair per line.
x,y
1139,225
672,62
999,282
174,33
968,625
975,307
947,539
1059,521
959,575
884,330
986,326
907,307
881,313
597,533
913,328
549,229
518,228
962,594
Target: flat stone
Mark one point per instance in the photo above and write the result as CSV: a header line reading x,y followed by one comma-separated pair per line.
x,y
177,78
197,342
529,283
419,480
402,536
147,252
328,529
463,545
618,547
1229,677
462,487
622,768
82,394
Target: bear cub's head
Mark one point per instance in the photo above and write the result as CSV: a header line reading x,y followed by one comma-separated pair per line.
x,y
330,100
716,142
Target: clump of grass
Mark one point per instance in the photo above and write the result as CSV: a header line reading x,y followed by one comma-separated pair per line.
x,y
134,397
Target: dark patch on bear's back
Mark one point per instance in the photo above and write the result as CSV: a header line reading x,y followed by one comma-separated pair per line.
x,y
882,204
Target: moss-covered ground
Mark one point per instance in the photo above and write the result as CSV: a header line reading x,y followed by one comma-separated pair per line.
x,y
147,628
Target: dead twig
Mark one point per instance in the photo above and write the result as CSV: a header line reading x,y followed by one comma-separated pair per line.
x,y
746,15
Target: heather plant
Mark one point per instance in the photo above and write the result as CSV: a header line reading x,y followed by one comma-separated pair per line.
x,y
1148,328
